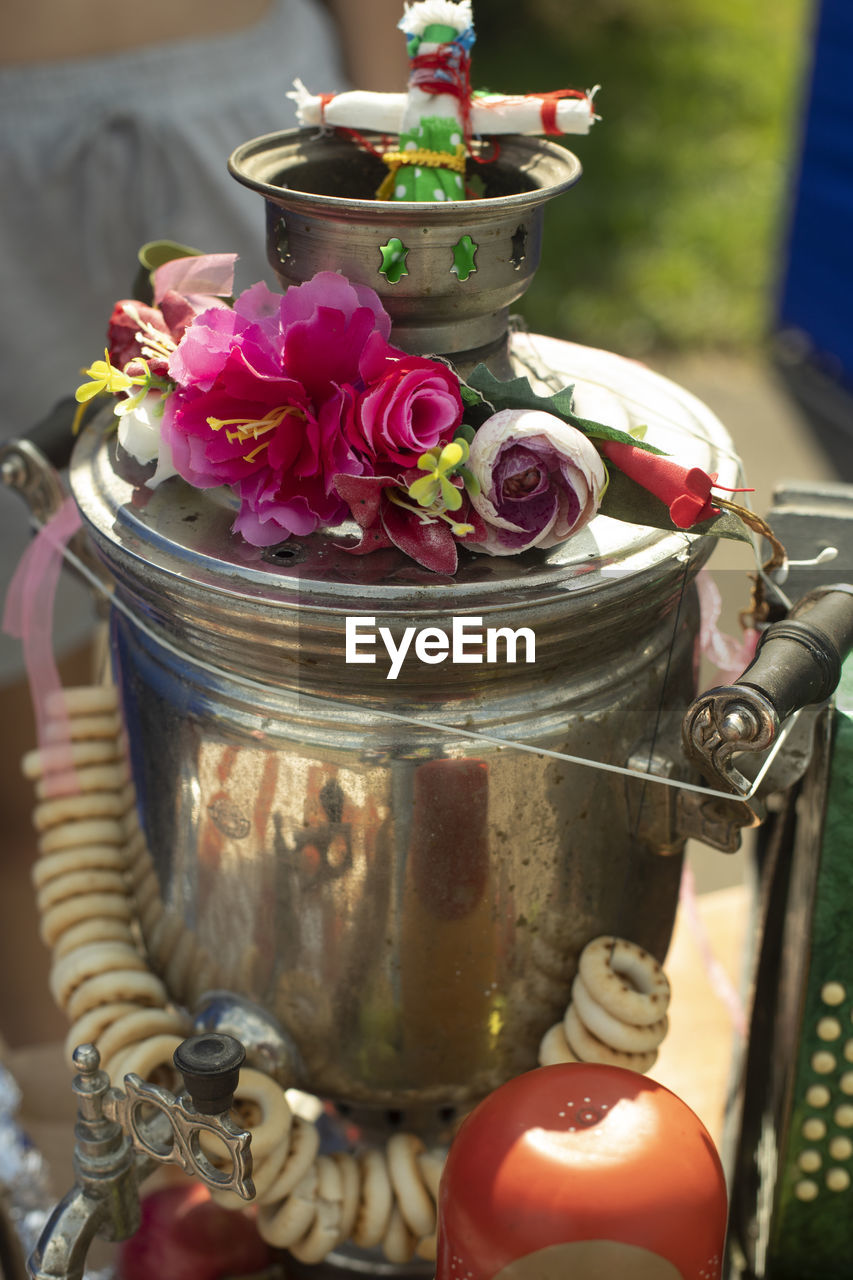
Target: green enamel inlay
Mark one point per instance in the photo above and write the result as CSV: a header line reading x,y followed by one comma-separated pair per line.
x,y
463,258
393,260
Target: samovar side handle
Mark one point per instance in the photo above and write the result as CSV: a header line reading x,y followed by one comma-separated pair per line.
x,y
32,466
31,463
797,664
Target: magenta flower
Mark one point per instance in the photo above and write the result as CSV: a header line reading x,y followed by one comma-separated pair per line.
x,y
265,401
540,480
410,405
380,507
133,325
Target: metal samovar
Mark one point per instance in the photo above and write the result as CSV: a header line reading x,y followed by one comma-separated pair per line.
x,y
390,880
369,858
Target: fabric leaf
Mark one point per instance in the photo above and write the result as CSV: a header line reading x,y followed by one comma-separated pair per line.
x,y
517,393
626,500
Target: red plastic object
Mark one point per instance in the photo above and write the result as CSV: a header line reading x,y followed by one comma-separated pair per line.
x,y
184,1235
584,1171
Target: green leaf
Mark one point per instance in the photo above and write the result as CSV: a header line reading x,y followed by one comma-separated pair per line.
x,y
151,256
517,393
725,525
156,252
469,395
470,481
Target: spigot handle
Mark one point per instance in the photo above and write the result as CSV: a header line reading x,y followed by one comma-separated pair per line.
x,y
798,663
210,1065
169,1129
123,1134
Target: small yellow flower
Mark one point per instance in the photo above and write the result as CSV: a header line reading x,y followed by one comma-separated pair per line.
x,y
104,379
440,465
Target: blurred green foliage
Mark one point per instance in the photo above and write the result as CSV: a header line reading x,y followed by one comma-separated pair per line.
x,y
673,235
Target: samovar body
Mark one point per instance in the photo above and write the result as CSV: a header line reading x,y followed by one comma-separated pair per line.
x,y
401,867
402,872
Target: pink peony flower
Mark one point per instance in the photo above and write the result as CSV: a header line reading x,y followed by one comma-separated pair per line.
x,y
540,480
281,394
265,396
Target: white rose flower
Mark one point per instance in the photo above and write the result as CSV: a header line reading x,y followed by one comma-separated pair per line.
x,y
139,435
540,480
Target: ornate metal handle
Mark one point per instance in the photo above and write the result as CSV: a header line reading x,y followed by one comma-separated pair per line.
x,y
168,1130
798,663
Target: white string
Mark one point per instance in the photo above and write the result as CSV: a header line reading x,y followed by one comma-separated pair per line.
x,y
554,379
420,722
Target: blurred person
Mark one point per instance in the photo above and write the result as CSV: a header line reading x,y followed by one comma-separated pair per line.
x,y
117,123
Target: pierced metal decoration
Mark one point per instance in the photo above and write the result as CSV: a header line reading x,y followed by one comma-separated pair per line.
x,y
394,255
518,247
464,252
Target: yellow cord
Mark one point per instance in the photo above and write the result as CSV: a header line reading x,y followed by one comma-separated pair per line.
x,y
424,157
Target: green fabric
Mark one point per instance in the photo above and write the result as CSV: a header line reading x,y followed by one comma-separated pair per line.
x,y
421,182
813,1240
439,33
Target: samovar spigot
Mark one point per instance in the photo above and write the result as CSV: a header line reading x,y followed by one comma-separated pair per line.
x,y
121,1135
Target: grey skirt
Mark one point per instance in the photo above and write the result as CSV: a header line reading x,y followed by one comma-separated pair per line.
x,y
99,155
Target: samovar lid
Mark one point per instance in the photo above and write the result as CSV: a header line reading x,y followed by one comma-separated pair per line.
x,y
185,533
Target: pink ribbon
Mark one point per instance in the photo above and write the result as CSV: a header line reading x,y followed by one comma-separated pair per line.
x,y
721,984
731,656
28,616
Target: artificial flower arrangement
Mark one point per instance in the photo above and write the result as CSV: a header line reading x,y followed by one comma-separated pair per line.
x,y
301,405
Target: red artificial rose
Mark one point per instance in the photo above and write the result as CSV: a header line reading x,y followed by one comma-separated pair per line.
x,y
409,404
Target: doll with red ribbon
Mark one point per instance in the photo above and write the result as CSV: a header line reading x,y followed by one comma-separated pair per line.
x,y
439,115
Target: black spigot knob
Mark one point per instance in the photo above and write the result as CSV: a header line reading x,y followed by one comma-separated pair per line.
x,y
210,1064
